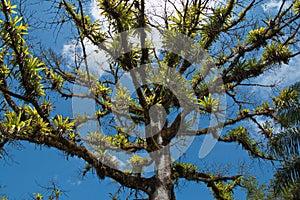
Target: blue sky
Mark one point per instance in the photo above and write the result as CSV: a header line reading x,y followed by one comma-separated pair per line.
x,y
31,166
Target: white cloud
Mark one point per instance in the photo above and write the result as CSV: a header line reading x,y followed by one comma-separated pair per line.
x,y
96,59
274,5
74,182
95,11
69,50
287,74
282,77
155,9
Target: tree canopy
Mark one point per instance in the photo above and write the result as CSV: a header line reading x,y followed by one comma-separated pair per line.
x,y
145,80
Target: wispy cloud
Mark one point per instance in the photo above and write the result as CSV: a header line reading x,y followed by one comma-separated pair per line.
x,y
282,77
274,5
74,182
69,50
96,59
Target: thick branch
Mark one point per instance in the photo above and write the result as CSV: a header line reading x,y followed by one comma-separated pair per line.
x,y
74,149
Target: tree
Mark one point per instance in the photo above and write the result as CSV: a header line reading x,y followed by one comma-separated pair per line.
x,y
172,86
285,145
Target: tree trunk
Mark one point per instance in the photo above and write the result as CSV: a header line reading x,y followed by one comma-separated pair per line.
x,y
164,187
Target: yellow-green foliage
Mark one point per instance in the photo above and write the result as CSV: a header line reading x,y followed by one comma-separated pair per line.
x,y
32,123
276,52
123,13
183,24
63,125
137,160
38,196
118,140
55,80
241,135
287,98
180,168
243,112
138,163
296,7
212,28
122,97
226,189
256,34
209,104
17,53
